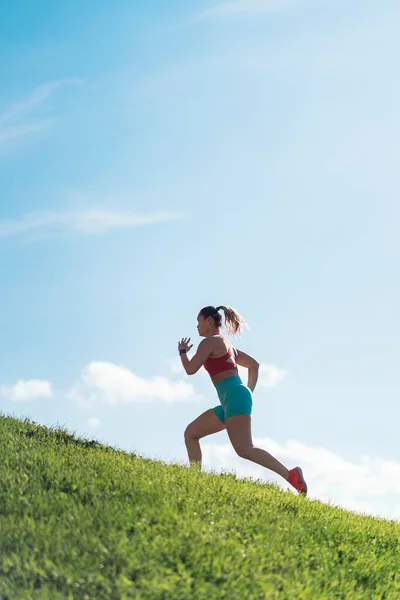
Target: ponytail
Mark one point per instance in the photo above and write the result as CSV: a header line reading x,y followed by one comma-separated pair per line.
x,y
234,322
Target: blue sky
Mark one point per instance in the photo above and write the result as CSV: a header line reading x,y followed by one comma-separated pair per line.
x,y
157,158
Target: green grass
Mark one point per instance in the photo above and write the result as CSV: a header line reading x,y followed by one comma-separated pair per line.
x,y
79,520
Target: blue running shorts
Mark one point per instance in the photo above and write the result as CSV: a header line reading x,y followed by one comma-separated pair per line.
x,y
236,399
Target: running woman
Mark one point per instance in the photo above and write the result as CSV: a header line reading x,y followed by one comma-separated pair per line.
x,y
221,360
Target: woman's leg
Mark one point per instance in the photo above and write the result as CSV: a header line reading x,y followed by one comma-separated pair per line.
x,y
239,432
205,424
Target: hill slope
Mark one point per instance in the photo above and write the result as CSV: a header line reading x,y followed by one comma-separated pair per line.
x,y
80,520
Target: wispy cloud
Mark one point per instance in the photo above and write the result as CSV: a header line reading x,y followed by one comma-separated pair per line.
x,y
38,96
89,222
108,383
94,422
17,120
9,133
370,485
27,390
237,8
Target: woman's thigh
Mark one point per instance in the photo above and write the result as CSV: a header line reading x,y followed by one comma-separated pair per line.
x,y
206,424
239,432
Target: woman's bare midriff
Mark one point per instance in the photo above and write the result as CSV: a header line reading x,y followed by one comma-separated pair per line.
x,y
224,375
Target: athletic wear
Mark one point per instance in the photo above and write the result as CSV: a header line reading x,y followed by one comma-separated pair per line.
x,y
218,365
296,479
236,399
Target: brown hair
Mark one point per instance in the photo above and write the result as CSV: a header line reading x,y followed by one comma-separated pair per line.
x,y
234,323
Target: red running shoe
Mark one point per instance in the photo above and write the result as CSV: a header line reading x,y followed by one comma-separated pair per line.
x,y
296,479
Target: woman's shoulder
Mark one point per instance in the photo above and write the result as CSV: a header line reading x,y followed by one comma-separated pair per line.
x,y
221,346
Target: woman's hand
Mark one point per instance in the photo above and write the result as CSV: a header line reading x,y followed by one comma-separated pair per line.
x,y
184,344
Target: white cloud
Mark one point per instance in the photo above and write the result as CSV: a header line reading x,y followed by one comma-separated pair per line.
x,y
16,121
90,221
175,365
93,422
235,8
269,375
371,485
27,390
107,383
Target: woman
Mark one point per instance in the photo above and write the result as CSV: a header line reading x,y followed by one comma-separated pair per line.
x,y
220,359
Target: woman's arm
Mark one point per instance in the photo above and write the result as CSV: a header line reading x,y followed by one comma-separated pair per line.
x,y
245,360
203,352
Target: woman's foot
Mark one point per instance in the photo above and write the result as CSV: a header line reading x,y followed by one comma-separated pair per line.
x,y
296,479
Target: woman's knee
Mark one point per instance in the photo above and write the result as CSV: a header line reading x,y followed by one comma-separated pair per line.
x,y
244,451
190,433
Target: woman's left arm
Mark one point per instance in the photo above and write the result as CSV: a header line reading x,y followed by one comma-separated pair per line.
x,y
245,360
203,352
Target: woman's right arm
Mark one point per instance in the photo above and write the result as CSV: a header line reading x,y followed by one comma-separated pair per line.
x,y
245,360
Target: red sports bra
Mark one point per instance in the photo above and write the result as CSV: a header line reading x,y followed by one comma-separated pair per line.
x,y
227,362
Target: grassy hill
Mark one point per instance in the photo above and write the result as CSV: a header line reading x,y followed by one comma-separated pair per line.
x,y
79,520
